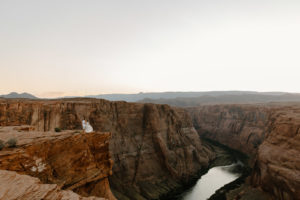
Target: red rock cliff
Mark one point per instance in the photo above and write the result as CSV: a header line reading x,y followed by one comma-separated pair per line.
x,y
155,148
277,167
268,133
69,159
241,127
22,187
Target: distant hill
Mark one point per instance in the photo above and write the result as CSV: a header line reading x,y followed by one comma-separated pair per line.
x,y
14,95
169,95
187,99
243,98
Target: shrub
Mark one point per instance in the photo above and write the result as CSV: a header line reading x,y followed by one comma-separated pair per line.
x,y
1,145
12,142
57,129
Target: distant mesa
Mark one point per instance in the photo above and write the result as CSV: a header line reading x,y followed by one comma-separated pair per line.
x,y
15,95
187,99
230,97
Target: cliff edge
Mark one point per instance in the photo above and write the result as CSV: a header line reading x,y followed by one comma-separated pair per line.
x,y
70,159
155,148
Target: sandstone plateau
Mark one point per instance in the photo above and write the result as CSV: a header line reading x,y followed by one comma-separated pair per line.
x,y
155,148
269,133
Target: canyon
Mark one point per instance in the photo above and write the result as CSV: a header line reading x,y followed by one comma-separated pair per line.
x,y
147,151
268,133
155,148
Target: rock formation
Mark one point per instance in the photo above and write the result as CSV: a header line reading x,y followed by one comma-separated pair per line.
x,y
241,127
69,159
277,167
155,148
22,187
269,133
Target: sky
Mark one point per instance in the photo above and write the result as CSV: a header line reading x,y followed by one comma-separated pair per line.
x,y
55,48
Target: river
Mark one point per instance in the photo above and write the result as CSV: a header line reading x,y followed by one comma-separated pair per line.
x,y
210,182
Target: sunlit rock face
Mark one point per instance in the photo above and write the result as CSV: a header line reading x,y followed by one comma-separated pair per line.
x,y
70,159
268,133
155,148
17,186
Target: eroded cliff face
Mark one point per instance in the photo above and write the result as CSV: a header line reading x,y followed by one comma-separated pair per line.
x,y
268,133
155,148
22,187
241,127
69,159
277,167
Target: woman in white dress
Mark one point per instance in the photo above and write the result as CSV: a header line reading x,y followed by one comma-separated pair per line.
x,y
88,128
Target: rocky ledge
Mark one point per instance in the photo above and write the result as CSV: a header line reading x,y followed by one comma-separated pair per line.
x,y
22,187
70,159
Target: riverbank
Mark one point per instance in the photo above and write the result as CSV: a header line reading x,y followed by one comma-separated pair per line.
x,y
210,182
224,156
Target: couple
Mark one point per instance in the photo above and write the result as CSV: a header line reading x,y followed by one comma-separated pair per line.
x,y
86,126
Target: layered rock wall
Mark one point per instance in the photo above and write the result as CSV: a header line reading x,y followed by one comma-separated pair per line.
x,y
268,133
241,127
71,160
155,148
277,167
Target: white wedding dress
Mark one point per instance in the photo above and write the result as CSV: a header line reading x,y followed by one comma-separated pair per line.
x,y
88,128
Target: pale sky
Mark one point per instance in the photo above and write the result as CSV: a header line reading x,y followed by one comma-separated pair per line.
x,y
55,48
